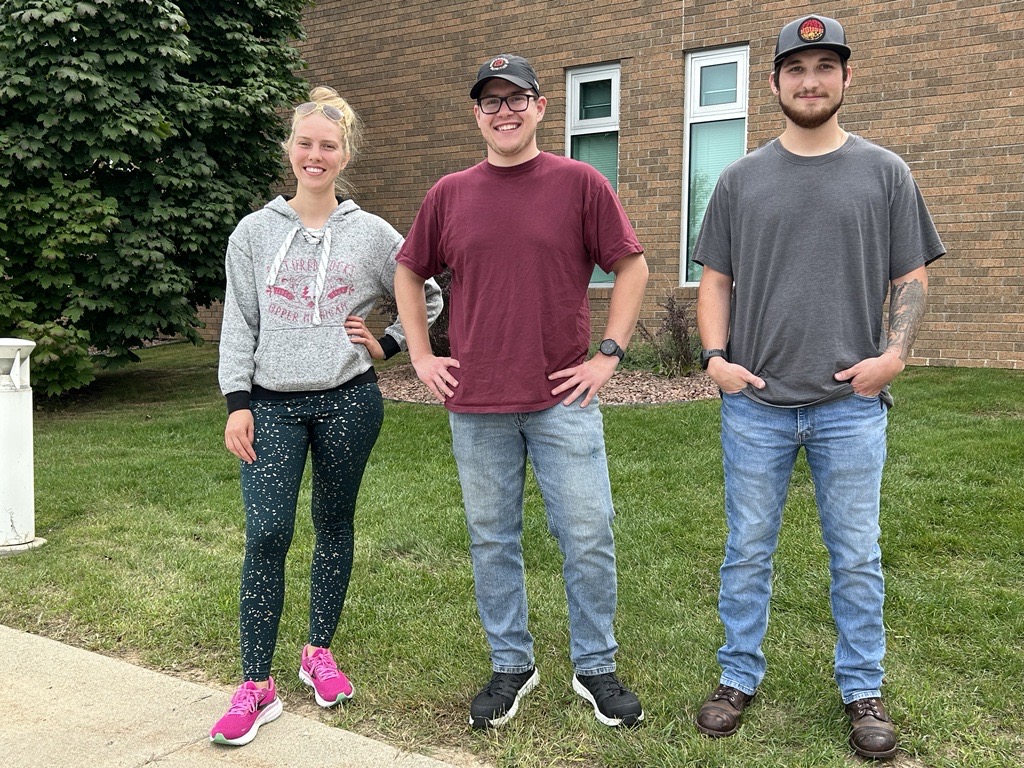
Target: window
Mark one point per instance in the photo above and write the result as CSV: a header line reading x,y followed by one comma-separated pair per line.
x,y
715,134
592,127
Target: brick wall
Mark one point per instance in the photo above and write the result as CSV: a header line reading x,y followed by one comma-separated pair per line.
x,y
407,68
210,316
937,82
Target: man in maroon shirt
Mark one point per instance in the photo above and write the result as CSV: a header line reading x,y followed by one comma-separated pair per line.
x,y
521,233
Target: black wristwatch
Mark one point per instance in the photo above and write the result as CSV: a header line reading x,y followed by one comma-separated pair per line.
x,y
707,354
611,347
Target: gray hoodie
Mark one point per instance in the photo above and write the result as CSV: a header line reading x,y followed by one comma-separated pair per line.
x,y
289,292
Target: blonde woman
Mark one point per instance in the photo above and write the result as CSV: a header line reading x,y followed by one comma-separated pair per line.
x,y
296,369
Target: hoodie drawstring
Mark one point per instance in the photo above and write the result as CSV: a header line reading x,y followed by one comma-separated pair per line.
x,y
321,274
275,267
321,269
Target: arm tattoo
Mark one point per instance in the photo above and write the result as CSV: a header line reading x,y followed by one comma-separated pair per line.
x,y
906,310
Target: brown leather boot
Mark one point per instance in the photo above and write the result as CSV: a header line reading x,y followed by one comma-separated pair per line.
x,y
720,714
873,735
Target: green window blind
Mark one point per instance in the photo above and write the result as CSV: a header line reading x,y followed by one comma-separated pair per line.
x,y
600,150
712,147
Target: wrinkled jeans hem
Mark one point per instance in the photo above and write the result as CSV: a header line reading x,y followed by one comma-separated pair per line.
x,y
737,685
518,670
858,695
595,671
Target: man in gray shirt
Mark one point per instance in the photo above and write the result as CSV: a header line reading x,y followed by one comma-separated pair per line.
x,y
802,241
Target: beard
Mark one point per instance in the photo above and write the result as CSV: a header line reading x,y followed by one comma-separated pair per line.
x,y
812,119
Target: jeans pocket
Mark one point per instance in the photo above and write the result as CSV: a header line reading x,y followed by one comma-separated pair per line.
x,y
874,401
867,398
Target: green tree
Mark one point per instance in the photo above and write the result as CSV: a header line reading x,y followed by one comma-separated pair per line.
x,y
134,135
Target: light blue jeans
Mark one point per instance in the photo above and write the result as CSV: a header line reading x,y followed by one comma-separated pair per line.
x,y
565,446
844,442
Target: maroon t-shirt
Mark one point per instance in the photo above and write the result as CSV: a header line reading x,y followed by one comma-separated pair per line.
x,y
521,243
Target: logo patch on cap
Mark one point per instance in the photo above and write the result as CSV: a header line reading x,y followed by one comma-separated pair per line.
x,y
499,63
811,30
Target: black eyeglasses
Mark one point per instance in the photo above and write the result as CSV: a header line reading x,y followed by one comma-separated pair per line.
x,y
517,102
331,113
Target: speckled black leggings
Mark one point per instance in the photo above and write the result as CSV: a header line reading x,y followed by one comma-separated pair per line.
x,y
339,429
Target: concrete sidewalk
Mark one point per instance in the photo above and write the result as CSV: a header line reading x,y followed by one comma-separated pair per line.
x,y
62,706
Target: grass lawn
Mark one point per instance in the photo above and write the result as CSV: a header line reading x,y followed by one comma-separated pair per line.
x,y
140,505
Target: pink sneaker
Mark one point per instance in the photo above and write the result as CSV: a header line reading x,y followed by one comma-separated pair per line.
x,y
328,682
251,707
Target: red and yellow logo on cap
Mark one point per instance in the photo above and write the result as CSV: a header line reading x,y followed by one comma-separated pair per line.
x,y
811,31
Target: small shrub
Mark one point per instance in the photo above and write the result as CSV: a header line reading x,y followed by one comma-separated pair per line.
x,y
439,330
439,343
674,349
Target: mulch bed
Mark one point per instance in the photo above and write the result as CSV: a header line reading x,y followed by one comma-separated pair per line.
x,y
624,388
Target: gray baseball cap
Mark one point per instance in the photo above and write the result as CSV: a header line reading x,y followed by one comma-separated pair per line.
x,y
811,32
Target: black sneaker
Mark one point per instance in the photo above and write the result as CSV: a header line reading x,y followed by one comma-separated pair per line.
x,y
498,702
614,704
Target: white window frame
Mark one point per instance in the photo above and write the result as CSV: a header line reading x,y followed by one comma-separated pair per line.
x,y
694,113
577,126
574,124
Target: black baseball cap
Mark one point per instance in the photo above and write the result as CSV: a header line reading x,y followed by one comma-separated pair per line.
x,y
515,69
811,32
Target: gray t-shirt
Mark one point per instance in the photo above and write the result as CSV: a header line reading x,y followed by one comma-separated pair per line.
x,y
811,244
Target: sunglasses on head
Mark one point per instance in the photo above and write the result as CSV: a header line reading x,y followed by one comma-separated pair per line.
x,y
309,107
